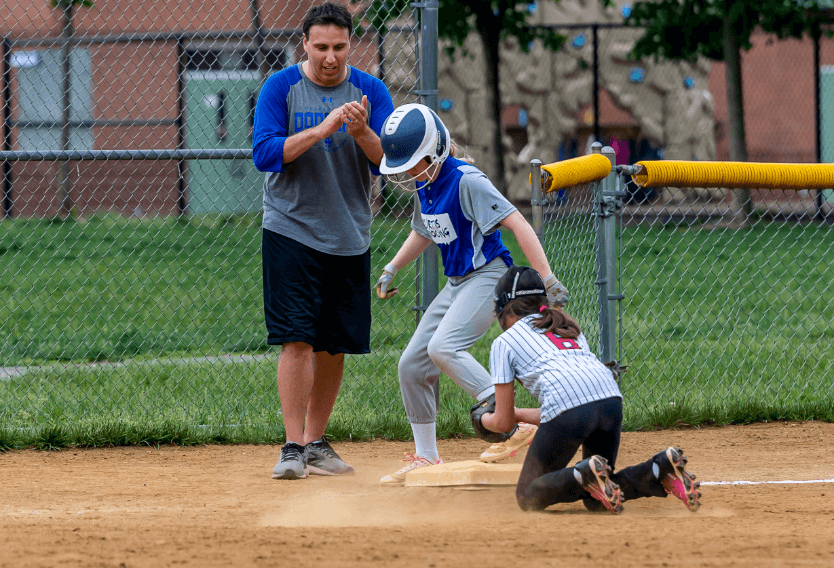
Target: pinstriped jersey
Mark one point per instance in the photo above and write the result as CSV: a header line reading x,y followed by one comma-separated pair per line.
x,y
561,375
460,211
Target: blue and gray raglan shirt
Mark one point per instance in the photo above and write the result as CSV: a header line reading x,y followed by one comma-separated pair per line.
x,y
322,198
460,211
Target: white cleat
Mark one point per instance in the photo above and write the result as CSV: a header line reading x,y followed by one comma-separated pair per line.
x,y
414,462
505,450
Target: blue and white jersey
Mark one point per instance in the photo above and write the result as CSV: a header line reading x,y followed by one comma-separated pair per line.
x,y
322,198
461,211
561,375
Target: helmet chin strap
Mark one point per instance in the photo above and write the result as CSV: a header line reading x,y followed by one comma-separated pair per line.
x,y
436,165
404,181
405,184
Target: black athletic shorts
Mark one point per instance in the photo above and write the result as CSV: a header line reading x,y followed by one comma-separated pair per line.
x,y
312,297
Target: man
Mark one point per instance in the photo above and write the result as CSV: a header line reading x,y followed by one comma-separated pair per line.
x,y
316,134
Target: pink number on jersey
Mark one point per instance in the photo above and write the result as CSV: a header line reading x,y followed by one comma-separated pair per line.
x,y
562,342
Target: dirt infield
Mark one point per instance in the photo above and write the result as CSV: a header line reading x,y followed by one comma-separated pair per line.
x,y
217,506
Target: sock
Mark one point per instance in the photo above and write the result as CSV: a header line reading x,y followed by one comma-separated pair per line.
x,y
425,440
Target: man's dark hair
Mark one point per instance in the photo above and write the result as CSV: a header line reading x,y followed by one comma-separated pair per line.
x,y
326,14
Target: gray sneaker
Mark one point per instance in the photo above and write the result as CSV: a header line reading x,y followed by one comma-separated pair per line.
x,y
322,460
292,464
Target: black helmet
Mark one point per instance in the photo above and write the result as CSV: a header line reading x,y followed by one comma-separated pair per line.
x,y
518,281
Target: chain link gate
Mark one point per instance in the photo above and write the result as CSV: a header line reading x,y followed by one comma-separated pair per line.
x,y
723,313
728,313
579,230
131,282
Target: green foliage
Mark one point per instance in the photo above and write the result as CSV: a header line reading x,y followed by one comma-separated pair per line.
x,y
10,439
64,4
686,29
458,18
512,19
378,13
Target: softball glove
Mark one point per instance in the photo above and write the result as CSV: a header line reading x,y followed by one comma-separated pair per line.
x,y
483,407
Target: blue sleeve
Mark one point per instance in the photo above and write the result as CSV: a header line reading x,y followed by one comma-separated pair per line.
x,y
270,129
380,102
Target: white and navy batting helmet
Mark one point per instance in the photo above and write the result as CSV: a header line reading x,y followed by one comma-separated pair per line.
x,y
412,132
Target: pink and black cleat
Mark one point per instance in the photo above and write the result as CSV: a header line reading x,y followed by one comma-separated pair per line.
x,y
595,473
677,480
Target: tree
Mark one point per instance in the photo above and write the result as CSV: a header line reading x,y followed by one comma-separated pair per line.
x,y
719,30
62,178
494,21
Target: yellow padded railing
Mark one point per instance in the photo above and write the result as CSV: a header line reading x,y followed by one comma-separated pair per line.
x,y
572,172
734,175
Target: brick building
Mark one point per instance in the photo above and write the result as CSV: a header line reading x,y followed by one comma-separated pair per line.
x,y
153,76
144,76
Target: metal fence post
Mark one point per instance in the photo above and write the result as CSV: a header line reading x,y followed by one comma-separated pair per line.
x,y
608,200
816,34
537,201
430,285
6,130
182,165
595,37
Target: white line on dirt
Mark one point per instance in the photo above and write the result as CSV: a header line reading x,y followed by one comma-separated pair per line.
x,y
785,482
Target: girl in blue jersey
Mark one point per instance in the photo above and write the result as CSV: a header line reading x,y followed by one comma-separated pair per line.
x,y
579,405
458,209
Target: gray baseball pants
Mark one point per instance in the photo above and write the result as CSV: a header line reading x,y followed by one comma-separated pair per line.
x,y
460,315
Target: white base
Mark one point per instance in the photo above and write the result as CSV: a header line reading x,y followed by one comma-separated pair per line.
x,y
468,472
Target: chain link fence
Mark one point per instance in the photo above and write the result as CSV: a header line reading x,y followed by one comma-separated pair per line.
x,y
722,314
570,243
724,305
556,104
131,281
130,245
729,310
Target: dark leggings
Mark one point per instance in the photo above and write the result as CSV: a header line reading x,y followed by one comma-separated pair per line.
x,y
545,478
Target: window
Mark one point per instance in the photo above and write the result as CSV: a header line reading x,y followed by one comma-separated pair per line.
x,y
234,59
39,100
203,60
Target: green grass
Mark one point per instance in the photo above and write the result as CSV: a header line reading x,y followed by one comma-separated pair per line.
x,y
729,325
117,325
111,288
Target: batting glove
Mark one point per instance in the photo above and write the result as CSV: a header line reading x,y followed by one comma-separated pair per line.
x,y
557,294
382,285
